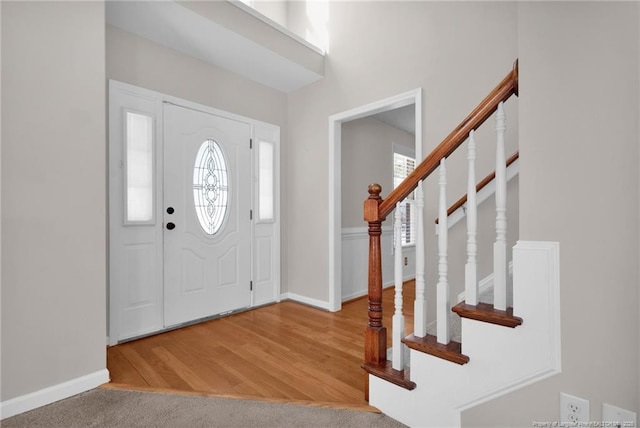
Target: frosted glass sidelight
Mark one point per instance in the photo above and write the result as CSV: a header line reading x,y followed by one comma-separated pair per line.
x,y
265,180
210,187
139,168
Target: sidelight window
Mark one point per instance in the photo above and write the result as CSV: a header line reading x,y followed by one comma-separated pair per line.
x,y
139,169
265,180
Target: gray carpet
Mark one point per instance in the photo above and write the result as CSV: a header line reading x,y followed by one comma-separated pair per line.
x,y
116,408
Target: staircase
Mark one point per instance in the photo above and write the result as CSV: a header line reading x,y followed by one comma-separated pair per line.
x,y
502,348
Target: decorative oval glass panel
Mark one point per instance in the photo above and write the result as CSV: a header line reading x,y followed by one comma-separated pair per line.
x,y
210,187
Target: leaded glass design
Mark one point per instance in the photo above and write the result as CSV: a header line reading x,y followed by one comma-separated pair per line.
x,y
210,187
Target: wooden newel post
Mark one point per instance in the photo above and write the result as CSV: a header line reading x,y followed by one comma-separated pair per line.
x,y
375,337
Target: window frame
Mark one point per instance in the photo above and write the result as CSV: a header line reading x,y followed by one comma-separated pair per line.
x,y
272,181
125,168
409,201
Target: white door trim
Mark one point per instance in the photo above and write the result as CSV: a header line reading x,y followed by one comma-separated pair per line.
x,y
335,179
259,131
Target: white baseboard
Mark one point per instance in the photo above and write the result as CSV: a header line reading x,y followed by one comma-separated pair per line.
x,y
355,295
54,393
321,304
364,291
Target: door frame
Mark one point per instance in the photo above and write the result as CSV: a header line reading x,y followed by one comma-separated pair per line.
x,y
259,131
335,179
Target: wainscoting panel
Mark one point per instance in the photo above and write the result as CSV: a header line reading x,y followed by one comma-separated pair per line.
x,y
355,253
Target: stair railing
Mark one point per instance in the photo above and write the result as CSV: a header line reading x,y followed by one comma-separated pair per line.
x,y
461,203
376,210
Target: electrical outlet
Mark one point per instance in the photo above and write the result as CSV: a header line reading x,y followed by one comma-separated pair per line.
x,y
617,417
573,409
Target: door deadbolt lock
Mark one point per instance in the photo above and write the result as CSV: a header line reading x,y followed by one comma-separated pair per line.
x,y
170,210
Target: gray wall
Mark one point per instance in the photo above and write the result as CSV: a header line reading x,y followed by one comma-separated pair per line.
x,y
275,10
53,194
367,157
579,186
579,166
457,52
141,62
0,203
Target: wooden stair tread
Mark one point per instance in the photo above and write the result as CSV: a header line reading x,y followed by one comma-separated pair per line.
x,y
386,371
486,313
429,345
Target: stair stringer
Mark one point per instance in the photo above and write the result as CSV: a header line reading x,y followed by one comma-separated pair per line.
x,y
501,359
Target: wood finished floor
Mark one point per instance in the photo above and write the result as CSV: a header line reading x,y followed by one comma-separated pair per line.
x,y
282,352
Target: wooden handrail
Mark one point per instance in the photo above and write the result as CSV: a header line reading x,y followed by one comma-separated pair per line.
x,y
376,210
481,185
507,87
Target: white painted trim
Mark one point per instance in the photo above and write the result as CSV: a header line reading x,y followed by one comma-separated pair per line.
x,y
320,304
385,285
485,193
485,283
361,232
354,295
335,215
354,232
54,393
335,143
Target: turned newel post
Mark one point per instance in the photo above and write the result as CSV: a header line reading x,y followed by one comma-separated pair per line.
x,y
375,339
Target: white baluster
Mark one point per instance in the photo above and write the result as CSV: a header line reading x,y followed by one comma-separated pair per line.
x,y
500,246
397,332
444,333
420,304
470,269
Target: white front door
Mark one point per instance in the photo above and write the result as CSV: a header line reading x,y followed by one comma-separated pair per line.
x,y
164,156
207,224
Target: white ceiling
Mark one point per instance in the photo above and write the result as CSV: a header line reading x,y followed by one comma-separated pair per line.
x,y
401,118
174,26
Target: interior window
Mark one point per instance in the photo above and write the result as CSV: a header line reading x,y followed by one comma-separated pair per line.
x,y
402,166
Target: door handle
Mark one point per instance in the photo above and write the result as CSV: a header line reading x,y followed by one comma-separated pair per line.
x,y
171,226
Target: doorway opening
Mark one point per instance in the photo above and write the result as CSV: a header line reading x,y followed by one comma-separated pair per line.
x,y
398,102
